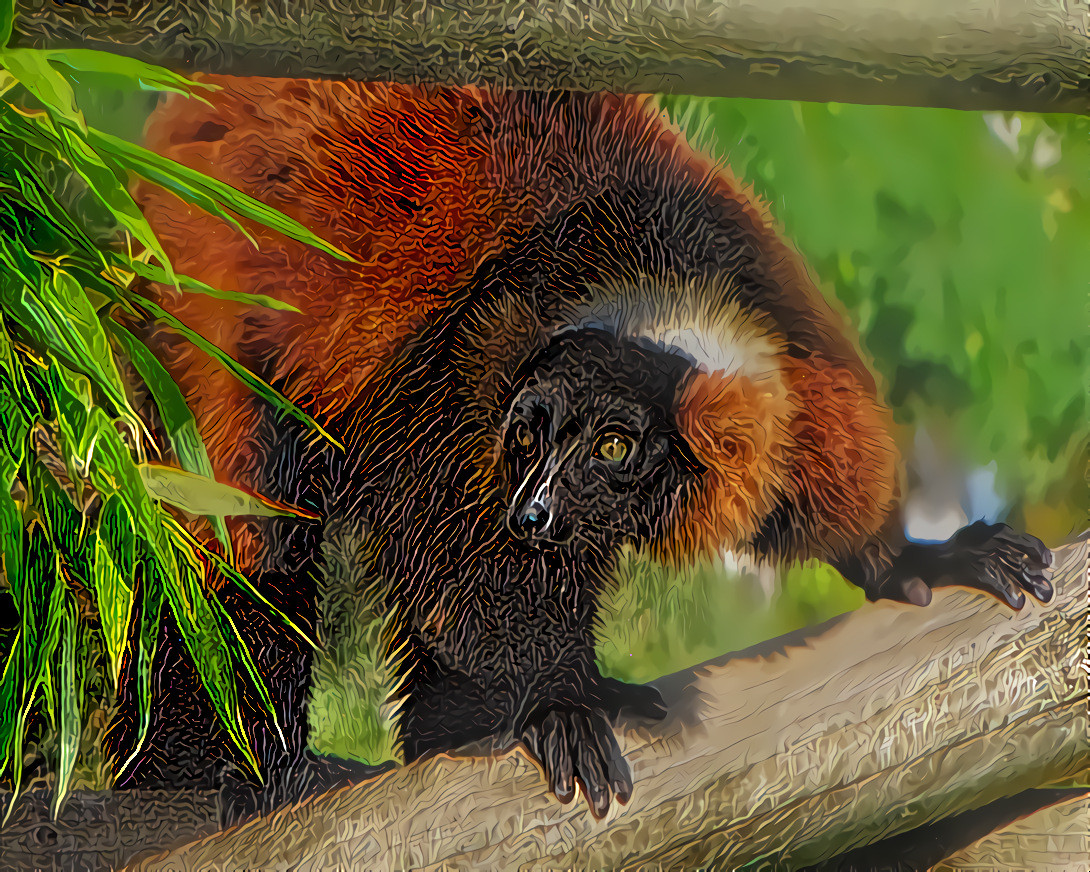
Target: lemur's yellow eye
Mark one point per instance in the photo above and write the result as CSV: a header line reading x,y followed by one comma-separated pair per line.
x,y
613,447
524,436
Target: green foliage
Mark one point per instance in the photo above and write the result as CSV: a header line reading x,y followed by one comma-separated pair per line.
x,y
957,242
90,551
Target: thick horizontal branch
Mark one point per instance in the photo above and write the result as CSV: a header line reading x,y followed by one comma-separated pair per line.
x,y
965,54
892,718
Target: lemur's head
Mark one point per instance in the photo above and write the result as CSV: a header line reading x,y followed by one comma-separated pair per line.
x,y
657,413
593,453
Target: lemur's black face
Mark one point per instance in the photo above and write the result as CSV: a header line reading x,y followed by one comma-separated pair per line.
x,y
592,456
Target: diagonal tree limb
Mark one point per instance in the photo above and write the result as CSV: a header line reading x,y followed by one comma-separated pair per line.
x,y
894,717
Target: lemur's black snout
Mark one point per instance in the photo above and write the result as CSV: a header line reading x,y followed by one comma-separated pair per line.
x,y
538,525
533,519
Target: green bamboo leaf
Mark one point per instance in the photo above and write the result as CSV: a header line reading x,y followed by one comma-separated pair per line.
x,y
147,77
147,644
112,470
257,385
11,532
175,414
200,495
55,312
244,584
114,565
24,177
14,422
64,521
156,274
86,335
35,74
22,270
201,199
197,188
101,179
204,639
69,722
12,718
241,653
41,601
173,409
7,20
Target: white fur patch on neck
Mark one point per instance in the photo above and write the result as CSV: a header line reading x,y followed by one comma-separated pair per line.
x,y
698,319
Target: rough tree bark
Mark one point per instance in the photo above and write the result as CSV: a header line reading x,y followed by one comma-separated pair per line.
x,y
891,718
964,54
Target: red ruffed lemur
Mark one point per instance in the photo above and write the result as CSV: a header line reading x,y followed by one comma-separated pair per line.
x,y
566,333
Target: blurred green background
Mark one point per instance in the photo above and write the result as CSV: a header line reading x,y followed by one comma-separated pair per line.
x,y
959,245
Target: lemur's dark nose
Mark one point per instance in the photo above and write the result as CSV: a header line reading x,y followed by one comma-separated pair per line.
x,y
533,519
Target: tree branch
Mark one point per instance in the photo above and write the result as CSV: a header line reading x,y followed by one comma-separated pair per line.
x,y
1052,839
893,717
1004,54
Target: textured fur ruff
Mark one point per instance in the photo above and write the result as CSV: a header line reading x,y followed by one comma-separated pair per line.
x,y
733,409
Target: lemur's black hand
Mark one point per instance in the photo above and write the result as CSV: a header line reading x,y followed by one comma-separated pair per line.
x,y
578,745
989,557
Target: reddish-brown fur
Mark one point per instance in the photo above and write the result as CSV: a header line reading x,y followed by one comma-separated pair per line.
x,y
420,188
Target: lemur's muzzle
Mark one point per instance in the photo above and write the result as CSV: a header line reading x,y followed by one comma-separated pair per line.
x,y
536,511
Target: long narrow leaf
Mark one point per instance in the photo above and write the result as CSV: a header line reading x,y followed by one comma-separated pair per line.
x,y
197,188
201,495
247,586
41,607
114,563
35,193
113,470
204,639
147,76
70,726
12,717
11,535
187,283
102,180
241,654
175,414
7,19
257,385
41,310
64,521
147,644
87,337
35,74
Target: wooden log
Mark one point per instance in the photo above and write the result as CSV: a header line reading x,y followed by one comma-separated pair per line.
x,y
97,832
1004,54
891,718
1054,839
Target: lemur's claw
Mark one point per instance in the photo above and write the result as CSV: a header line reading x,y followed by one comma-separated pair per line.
x,y
988,557
578,745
